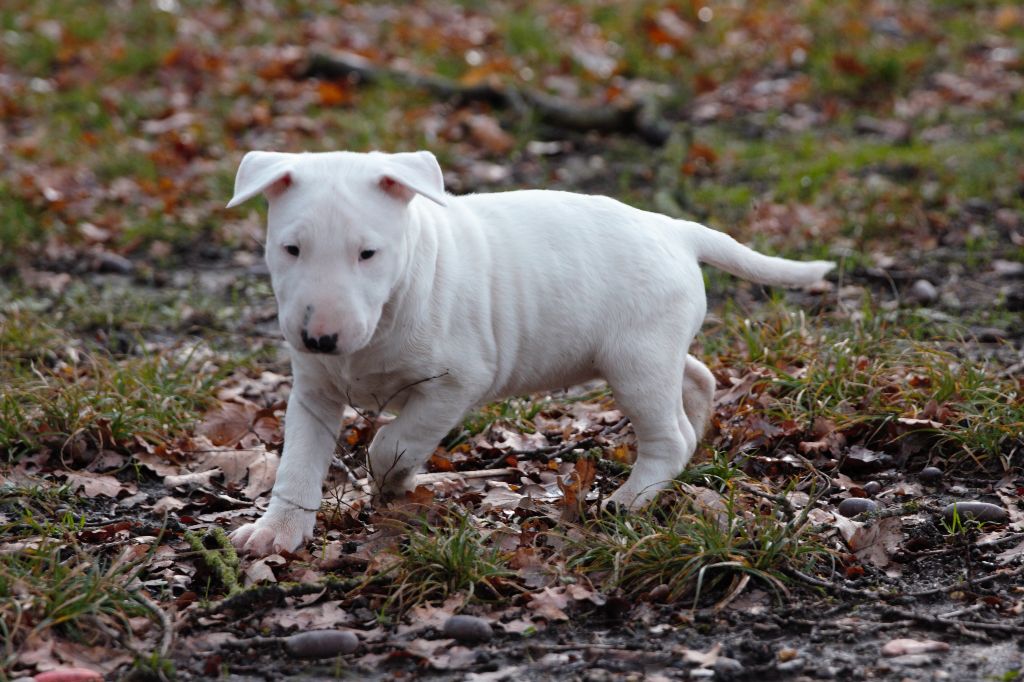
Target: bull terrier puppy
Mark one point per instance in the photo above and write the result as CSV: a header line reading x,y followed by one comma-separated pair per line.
x,y
386,286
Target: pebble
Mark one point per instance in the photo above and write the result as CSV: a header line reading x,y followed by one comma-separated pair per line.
x,y
467,629
726,667
852,506
923,291
930,475
659,593
979,511
115,263
872,488
791,666
321,643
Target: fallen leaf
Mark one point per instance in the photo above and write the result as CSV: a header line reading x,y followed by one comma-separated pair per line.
x,y
703,659
903,647
98,485
549,603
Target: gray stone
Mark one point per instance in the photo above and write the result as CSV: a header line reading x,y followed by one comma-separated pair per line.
x,y
468,629
930,475
321,643
852,506
978,511
923,291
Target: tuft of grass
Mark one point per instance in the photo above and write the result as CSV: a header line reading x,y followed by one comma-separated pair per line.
x,y
695,552
440,560
867,373
56,585
60,396
715,473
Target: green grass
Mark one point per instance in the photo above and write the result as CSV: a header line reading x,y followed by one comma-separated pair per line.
x,y
79,597
442,558
864,376
698,554
63,396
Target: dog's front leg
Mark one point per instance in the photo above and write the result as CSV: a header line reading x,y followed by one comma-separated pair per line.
x,y
312,423
400,448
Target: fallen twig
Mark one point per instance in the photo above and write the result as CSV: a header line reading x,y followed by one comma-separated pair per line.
x,y
551,452
166,627
962,626
634,118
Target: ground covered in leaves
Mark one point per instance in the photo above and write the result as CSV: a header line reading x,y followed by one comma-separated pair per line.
x,y
855,511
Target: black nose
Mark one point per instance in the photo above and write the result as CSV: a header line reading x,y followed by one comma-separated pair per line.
x,y
324,344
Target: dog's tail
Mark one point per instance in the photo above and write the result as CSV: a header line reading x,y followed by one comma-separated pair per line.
x,y
722,251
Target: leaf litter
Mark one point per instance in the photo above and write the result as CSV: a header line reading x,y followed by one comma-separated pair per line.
x,y
527,484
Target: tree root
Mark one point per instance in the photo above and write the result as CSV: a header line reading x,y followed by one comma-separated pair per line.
x,y
632,118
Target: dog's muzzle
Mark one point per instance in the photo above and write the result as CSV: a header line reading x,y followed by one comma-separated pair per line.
x,y
328,343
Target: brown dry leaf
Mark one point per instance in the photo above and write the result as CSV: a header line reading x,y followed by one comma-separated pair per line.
x,y
225,424
520,626
873,542
500,495
168,503
575,489
740,388
261,570
549,603
486,131
320,616
428,616
97,485
703,659
101,658
583,593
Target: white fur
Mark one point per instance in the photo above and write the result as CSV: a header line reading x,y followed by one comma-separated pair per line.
x,y
491,294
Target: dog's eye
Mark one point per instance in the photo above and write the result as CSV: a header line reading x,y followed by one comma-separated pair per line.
x,y
367,254
292,249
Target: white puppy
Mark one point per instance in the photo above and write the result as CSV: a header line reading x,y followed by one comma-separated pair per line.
x,y
384,281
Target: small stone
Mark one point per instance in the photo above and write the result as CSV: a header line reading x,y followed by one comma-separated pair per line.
x,y
930,476
467,629
984,512
321,643
852,506
923,291
113,262
787,654
659,593
872,488
792,666
727,668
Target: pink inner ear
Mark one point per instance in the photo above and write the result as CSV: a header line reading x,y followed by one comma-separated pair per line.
x,y
280,185
396,189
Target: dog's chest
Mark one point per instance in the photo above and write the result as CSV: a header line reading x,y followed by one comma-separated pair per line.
x,y
369,388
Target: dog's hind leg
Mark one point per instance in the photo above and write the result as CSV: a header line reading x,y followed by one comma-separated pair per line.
x,y
698,395
648,387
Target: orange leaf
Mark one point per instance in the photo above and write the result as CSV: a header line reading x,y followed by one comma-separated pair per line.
x,y
332,94
849,64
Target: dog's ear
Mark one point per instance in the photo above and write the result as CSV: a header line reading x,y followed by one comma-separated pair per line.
x,y
269,172
411,173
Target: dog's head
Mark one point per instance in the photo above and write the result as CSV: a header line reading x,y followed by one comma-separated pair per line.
x,y
336,237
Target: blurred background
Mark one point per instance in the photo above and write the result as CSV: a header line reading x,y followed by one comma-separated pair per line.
x,y
143,379
845,125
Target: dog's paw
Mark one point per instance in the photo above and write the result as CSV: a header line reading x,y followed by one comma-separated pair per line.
x,y
627,498
272,533
393,486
